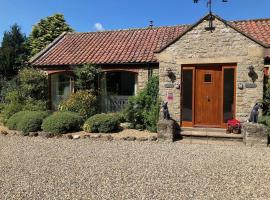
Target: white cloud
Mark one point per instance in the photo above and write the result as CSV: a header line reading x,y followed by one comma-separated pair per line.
x,y
99,27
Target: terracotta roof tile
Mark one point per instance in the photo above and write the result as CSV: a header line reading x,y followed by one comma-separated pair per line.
x,y
129,46
259,29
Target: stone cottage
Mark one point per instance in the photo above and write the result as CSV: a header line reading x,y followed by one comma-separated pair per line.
x,y
209,72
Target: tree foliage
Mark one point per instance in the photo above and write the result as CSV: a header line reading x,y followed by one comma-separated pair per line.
x,y
143,109
13,52
26,91
46,31
86,77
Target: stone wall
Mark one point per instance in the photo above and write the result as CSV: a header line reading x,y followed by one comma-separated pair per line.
x,y
223,45
255,135
142,78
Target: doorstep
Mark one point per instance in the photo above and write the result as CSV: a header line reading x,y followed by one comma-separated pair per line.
x,y
210,133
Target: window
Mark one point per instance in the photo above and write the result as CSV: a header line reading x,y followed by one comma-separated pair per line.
x,y
187,87
228,99
61,87
120,83
208,78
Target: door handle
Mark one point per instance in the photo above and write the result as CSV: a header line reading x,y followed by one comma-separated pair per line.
x,y
208,99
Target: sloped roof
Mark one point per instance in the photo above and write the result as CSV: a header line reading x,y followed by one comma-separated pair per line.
x,y
130,46
123,46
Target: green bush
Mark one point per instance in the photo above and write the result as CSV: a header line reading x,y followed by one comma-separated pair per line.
x,y
26,121
32,121
33,84
82,102
264,120
13,121
62,122
143,109
102,123
27,91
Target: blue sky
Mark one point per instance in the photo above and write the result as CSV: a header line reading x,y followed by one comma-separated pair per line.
x,y
82,15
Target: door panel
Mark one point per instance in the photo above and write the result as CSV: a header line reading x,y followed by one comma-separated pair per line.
x,y
208,96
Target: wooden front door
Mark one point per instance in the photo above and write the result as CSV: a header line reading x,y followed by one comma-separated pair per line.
x,y
208,96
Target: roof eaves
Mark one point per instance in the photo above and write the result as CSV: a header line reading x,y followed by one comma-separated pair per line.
x,y
47,48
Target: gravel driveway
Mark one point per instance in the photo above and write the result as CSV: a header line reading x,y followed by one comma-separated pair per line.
x,y
37,168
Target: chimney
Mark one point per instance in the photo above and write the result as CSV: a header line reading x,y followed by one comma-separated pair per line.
x,y
151,24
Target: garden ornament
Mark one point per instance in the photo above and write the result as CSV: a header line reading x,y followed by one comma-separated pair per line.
x,y
255,113
166,114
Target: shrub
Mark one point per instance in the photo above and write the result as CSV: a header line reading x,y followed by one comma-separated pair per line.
x,y
33,84
102,123
143,109
27,91
31,121
13,121
27,121
264,120
62,122
82,102
34,105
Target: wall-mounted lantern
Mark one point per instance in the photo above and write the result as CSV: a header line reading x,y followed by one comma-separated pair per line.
x,y
169,72
252,74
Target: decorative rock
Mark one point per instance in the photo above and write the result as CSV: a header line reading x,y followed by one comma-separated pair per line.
x,y
167,129
255,135
24,134
152,138
108,137
46,134
33,134
96,136
4,132
125,125
75,137
130,138
141,139
70,137
85,136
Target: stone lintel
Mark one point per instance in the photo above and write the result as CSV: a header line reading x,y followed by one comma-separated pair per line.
x,y
216,60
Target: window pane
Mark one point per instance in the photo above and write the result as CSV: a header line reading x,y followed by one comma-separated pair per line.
x,y
207,78
60,88
187,86
228,106
120,83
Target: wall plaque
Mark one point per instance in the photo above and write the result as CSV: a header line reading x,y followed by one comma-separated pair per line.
x,y
169,96
250,85
168,85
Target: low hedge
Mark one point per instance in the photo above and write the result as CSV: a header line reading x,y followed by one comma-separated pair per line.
x,y
102,123
27,121
13,121
62,122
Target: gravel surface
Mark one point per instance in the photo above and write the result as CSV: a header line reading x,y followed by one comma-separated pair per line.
x,y
37,168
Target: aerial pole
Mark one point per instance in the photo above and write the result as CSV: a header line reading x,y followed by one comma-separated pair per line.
x,y
211,17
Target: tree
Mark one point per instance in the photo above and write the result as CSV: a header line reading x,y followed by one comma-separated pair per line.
x,y
46,31
13,52
86,77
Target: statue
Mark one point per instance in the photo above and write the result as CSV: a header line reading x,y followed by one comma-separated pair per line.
x,y
255,113
166,114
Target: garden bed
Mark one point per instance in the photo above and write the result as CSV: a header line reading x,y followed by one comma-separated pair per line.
x,y
126,134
